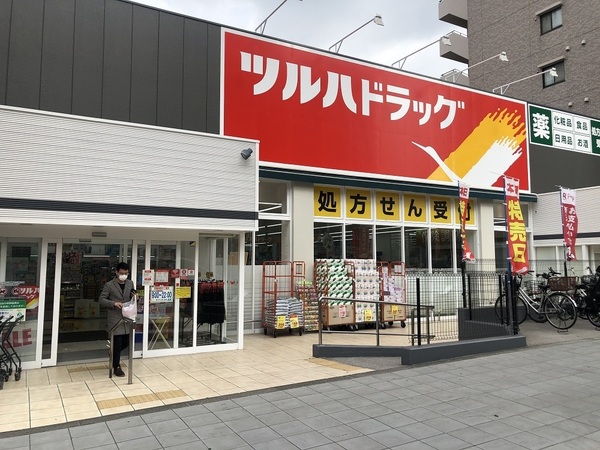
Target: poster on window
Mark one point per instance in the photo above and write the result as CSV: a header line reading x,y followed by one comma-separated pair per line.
x,y
569,222
517,235
463,192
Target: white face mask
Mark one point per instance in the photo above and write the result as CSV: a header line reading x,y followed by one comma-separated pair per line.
x,y
122,277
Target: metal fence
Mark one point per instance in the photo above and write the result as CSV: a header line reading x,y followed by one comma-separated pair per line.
x,y
461,305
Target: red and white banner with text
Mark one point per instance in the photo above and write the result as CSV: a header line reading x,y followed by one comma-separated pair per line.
x,y
569,222
463,193
517,235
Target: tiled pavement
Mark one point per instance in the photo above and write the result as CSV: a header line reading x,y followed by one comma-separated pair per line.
x,y
539,397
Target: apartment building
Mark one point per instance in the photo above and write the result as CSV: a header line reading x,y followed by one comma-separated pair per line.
x,y
537,36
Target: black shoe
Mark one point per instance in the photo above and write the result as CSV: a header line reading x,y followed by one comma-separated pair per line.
x,y
118,372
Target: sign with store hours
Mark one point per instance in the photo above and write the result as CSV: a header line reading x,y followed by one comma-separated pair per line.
x,y
161,294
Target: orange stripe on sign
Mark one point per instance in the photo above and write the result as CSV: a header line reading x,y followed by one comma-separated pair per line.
x,y
497,126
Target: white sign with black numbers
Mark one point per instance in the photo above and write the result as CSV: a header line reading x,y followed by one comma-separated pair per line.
x,y
161,294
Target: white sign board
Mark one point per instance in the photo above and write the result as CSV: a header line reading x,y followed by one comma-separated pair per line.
x,y
161,294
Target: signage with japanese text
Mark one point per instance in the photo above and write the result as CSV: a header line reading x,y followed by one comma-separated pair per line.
x,y
517,235
328,202
569,222
389,206
161,294
441,210
358,203
415,208
463,201
316,111
562,130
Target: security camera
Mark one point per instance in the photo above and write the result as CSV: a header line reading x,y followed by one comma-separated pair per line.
x,y
246,153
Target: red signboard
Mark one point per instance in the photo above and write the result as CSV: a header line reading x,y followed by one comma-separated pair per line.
x,y
517,235
322,112
569,222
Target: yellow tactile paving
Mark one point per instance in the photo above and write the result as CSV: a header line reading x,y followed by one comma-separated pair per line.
x,y
112,403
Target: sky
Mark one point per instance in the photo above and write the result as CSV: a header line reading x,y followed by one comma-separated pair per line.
x,y
408,26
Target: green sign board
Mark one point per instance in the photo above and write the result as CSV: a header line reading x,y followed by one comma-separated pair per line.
x,y
563,130
12,307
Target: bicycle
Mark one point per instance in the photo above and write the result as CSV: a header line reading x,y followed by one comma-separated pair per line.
x,y
586,297
541,304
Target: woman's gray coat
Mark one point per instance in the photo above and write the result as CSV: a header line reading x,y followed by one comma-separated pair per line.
x,y
112,293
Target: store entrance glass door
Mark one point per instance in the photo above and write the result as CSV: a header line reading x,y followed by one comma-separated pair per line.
x,y
85,268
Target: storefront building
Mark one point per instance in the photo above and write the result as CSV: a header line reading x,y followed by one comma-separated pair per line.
x,y
356,160
81,195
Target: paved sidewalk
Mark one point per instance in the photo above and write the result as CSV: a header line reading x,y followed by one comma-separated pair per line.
x,y
536,398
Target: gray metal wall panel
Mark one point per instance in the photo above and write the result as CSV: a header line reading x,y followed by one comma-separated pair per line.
x,y
5,14
551,167
170,71
116,80
213,85
182,179
25,54
144,63
195,73
57,56
88,58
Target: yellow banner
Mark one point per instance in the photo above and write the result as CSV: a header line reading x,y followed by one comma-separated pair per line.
x,y
327,201
440,209
415,208
358,203
387,205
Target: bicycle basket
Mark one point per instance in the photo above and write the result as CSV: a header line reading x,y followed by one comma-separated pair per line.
x,y
562,283
532,287
588,279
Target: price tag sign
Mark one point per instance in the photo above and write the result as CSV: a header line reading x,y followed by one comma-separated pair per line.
x,y
342,310
395,310
280,325
294,321
368,315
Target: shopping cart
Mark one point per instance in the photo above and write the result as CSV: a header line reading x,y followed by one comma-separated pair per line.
x,y
9,358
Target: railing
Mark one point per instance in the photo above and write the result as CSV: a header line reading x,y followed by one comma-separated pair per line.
x,y
129,324
417,313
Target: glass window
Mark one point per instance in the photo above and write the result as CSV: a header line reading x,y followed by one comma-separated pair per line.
x,y
272,197
268,241
328,240
389,243
161,310
359,241
501,249
551,20
416,248
21,280
549,78
442,247
500,213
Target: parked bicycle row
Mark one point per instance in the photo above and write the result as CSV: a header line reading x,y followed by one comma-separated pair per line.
x,y
550,297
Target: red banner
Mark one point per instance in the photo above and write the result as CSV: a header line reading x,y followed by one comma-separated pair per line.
x,y
316,111
569,222
463,195
517,235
